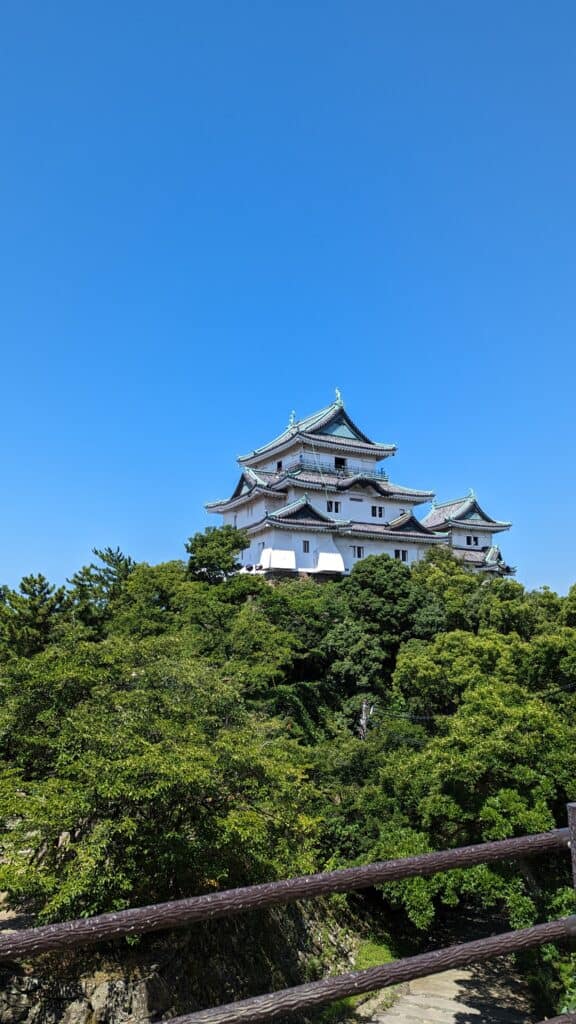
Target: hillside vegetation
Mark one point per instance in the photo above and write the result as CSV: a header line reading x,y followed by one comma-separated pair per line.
x,y
174,729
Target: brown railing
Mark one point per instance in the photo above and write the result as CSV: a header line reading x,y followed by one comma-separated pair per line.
x,y
323,466
179,913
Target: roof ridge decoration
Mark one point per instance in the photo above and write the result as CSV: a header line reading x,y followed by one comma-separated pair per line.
x,y
458,512
313,424
452,501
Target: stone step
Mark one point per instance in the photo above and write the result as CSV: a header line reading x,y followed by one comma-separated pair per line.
x,y
482,1006
422,1011
455,996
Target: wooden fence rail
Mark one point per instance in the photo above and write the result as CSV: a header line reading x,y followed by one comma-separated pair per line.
x,y
179,913
317,993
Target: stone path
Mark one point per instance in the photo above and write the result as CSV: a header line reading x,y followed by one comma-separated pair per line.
x,y
483,994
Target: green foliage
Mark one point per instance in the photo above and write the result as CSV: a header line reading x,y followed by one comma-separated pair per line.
x,y
213,553
95,587
172,729
32,617
157,782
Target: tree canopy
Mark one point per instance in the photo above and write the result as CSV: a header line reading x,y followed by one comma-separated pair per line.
x,y
171,729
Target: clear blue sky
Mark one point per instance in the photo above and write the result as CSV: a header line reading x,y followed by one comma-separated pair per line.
x,y
213,213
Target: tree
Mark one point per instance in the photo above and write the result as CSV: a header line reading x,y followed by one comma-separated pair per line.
x,y
157,782
505,609
94,588
213,553
432,677
447,594
381,598
31,618
150,601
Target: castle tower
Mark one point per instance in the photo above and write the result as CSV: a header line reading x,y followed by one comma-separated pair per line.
x,y
471,533
315,500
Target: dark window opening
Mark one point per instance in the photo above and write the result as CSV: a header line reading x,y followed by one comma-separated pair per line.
x,y
339,463
306,546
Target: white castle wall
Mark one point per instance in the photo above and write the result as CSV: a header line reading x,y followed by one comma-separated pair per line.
x,y
359,510
270,548
459,537
319,460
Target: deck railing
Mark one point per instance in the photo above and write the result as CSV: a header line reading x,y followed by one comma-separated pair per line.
x,y
180,913
311,464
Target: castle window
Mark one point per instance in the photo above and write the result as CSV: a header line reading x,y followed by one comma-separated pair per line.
x,y
279,465
472,541
333,506
357,551
339,463
306,547
475,541
401,554
377,511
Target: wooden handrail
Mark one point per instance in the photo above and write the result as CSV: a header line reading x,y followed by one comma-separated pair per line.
x,y
179,913
317,993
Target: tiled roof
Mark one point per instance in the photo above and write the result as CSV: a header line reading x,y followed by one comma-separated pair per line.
x,y
473,555
386,487
404,524
408,521
315,425
302,514
487,559
303,509
250,483
459,512
334,480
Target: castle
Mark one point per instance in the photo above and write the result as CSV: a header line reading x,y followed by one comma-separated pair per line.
x,y
315,500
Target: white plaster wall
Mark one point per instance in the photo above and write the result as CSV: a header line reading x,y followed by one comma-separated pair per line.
x,y
357,511
284,540
459,537
246,514
377,547
319,458
361,511
287,456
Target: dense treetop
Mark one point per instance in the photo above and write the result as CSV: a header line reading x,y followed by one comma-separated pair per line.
x,y
171,729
